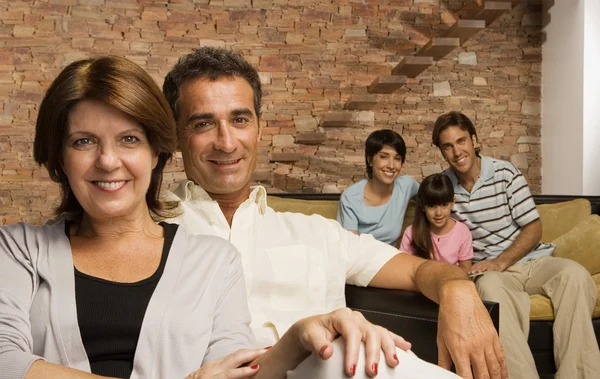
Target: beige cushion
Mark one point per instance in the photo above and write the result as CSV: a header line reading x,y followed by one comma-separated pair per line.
x,y
582,244
326,208
541,306
559,218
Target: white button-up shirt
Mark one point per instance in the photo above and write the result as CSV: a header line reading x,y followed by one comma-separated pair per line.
x,y
295,265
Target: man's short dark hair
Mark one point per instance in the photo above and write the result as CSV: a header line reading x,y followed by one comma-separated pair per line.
x,y
377,140
211,63
453,119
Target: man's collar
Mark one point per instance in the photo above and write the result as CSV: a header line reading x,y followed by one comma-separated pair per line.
x,y
259,196
486,172
187,190
487,168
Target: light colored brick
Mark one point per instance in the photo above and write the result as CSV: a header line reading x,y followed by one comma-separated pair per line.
x,y
520,160
442,89
430,169
305,123
479,81
532,108
530,140
283,140
331,188
467,58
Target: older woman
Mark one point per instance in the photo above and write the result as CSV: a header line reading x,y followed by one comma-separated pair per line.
x,y
109,292
377,205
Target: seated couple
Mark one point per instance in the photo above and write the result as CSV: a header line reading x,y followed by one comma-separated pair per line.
x,y
480,209
106,291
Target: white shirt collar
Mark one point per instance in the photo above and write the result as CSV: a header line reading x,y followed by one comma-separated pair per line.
x,y
189,191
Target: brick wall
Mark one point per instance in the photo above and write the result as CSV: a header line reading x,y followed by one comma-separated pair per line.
x,y
312,55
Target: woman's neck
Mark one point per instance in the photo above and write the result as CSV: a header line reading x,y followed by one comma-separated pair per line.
x,y
379,189
139,223
377,193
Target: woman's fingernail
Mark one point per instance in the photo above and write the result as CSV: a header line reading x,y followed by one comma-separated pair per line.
x,y
396,358
254,367
268,347
353,370
375,366
322,351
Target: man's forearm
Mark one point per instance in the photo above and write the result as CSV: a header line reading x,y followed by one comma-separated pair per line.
x,y
433,277
529,237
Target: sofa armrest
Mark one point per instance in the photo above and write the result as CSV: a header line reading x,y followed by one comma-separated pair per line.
x,y
406,313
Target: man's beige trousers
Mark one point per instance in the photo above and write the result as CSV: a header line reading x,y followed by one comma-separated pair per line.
x,y
573,294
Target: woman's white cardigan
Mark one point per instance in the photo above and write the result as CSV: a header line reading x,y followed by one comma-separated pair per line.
x,y
197,313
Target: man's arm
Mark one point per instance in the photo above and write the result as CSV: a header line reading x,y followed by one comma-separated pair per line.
x,y
530,236
466,334
408,272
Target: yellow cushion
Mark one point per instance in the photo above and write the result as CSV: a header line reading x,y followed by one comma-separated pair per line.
x,y
582,244
541,306
559,218
326,208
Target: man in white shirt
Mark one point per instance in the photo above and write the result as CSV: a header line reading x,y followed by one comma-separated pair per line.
x,y
297,265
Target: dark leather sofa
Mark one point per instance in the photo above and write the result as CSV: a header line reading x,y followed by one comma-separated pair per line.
x,y
414,317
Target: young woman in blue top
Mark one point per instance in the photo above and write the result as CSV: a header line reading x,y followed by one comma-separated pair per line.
x,y
377,205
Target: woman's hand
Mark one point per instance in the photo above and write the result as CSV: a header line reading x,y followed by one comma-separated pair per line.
x,y
228,367
317,332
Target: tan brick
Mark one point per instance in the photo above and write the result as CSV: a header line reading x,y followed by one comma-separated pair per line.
x,y
154,15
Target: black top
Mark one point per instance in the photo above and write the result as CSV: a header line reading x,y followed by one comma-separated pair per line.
x,y
110,315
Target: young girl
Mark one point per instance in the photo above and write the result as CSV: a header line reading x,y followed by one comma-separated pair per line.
x,y
434,234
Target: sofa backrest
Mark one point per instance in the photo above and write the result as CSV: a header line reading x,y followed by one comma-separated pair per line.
x,y
557,218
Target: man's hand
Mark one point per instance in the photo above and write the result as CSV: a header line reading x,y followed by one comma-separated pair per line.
x,y
466,334
487,265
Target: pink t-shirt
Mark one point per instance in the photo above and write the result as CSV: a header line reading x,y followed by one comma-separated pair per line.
x,y
453,247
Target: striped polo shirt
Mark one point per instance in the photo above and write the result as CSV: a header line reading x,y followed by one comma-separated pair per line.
x,y
496,209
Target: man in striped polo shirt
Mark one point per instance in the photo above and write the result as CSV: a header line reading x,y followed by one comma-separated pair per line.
x,y
494,201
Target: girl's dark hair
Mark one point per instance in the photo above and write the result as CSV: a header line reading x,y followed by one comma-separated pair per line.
x,y
377,140
435,190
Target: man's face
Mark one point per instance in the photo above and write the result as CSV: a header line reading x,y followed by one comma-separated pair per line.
x,y
218,133
458,149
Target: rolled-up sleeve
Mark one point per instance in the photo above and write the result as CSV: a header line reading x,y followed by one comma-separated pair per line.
x,y
365,256
17,282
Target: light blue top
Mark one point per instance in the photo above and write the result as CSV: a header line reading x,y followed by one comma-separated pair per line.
x,y
384,222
